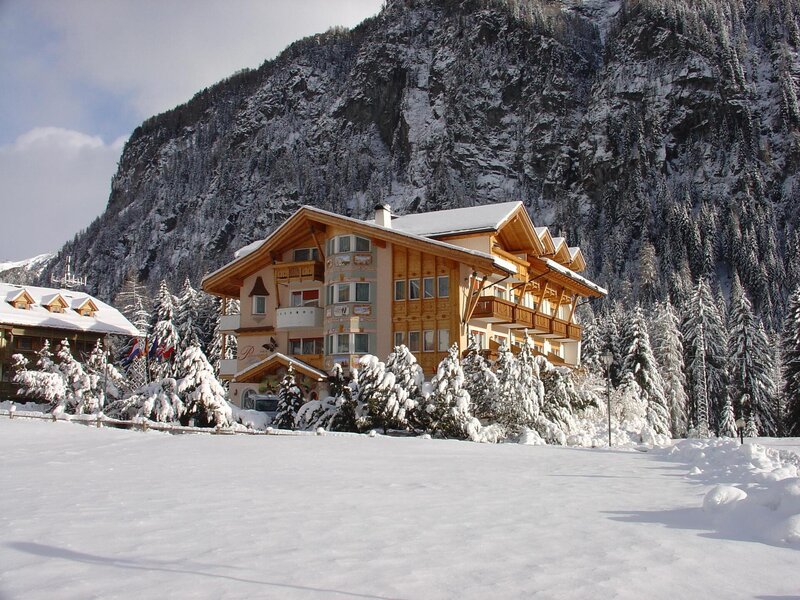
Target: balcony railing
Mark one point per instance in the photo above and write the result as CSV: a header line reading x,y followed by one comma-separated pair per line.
x,y
493,310
304,270
297,317
229,323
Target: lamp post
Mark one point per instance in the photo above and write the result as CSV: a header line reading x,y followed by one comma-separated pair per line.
x,y
608,358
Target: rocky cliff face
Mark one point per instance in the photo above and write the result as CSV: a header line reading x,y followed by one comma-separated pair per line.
x,y
660,135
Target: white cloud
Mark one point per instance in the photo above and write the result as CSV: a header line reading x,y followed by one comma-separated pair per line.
x,y
53,183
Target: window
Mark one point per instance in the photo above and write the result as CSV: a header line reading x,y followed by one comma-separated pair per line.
x,y
427,340
362,244
413,289
500,292
23,343
329,299
305,346
400,289
362,292
343,244
343,292
329,345
444,286
480,338
305,298
301,254
427,287
343,343
360,343
399,338
444,340
259,305
413,341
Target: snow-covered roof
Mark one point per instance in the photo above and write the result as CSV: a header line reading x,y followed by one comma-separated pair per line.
x,y
456,220
245,250
106,319
554,266
286,360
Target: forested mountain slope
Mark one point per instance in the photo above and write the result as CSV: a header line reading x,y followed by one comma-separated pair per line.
x,y
663,136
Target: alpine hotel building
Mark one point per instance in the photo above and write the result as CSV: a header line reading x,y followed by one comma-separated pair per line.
x,y
325,288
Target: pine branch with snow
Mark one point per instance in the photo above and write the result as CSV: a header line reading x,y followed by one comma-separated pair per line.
x,y
202,394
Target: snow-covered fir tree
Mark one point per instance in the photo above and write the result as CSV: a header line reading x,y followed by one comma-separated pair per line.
x,y
350,413
480,381
751,366
408,378
202,393
510,409
45,382
668,352
187,318
641,364
705,347
376,390
164,334
727,422
110,384
290,400
557,419
450,400
217,351
82,393
156,401
790,347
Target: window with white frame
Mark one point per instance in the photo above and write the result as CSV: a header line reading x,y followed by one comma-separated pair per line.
x,y
342,343
349,243
444,286
305,346
362,292
427,287
342,292
360,343
347,343
399,338
304,298
301,254
428,340
259,305
363,244
444,340
413,341
359,291
413,289
400,289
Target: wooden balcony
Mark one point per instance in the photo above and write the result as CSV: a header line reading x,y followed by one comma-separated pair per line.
x,y
493,310
523,318
304,270
558,329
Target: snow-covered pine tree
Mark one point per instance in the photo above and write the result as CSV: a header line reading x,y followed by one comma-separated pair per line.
x,y
45,383
376,390
510,409
750,428
202,393
109,383
668,352
450,400
156,401
641,364
790,346
290,400
592,347
164,333
215,345
705,347
187,318
557,420
480,382
208,314
408,378
82,393
350,415
751,366
727,423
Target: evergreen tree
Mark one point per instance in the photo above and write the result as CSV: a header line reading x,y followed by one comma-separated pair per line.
x,y
751,366
640,363
215,345
187,318
450,400
510,409
290,400
480,382
156,401
164,333
727,423
668,352
705,346
791,364
202,393
557,420
376,391
408,379
44,383
109,383
82,395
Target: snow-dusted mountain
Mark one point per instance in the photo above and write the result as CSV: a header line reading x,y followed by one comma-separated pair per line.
x,y
24,271
663,136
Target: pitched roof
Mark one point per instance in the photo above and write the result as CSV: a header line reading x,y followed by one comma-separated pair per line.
x,y
275,359
456,220
107,319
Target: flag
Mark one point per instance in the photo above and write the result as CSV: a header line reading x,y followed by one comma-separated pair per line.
x,y
135,351
153,351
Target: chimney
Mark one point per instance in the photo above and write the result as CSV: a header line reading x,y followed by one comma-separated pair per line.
x,y
383,215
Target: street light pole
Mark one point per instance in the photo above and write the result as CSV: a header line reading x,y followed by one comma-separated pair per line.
x,y
608,359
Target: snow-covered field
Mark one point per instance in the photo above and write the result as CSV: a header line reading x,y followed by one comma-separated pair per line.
x,y
105,513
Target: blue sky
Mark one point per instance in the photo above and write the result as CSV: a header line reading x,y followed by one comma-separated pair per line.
x,y
77,76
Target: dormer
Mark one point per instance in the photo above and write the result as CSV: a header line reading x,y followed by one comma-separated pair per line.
x,y
547,241
85,307
21,299
561,255
577,262
55,303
